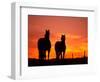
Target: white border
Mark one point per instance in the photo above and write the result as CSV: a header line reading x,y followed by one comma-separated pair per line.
x,y
20,67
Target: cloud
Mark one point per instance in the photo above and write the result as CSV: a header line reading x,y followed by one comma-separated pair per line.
x,y
71,36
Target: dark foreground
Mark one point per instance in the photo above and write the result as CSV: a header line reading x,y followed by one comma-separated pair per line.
x,y
36,62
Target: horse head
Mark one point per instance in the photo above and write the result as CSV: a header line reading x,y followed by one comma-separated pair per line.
x,y
63,38
47,34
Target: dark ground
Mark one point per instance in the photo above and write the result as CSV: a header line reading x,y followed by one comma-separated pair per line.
x,y
36,62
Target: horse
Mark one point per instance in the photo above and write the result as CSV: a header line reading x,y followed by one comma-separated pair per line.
x,y
44,45
60,48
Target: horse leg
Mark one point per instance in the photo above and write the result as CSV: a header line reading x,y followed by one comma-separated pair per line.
x,y
48,54
63,54
40,54
44,55
57,57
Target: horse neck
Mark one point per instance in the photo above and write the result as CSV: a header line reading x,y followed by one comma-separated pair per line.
x,y
63,41
46,37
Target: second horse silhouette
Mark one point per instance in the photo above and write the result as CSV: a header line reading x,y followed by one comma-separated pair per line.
x,y
60,48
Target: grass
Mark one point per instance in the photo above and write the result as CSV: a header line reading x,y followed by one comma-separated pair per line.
x,y
67,61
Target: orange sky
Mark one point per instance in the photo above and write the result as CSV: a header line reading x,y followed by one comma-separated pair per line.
x,y
75,29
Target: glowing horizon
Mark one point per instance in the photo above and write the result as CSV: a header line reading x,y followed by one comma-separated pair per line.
x,y
74,28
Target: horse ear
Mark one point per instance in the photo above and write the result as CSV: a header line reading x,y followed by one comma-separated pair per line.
x,y
46,31
63,37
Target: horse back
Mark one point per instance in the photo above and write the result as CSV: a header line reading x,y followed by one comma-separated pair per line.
x,y
44,44
59,46
41,44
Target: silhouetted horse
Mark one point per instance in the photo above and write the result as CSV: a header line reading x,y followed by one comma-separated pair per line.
x,y
44,45
60,48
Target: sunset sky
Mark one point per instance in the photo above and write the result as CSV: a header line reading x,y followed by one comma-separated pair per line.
x,y
74,28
